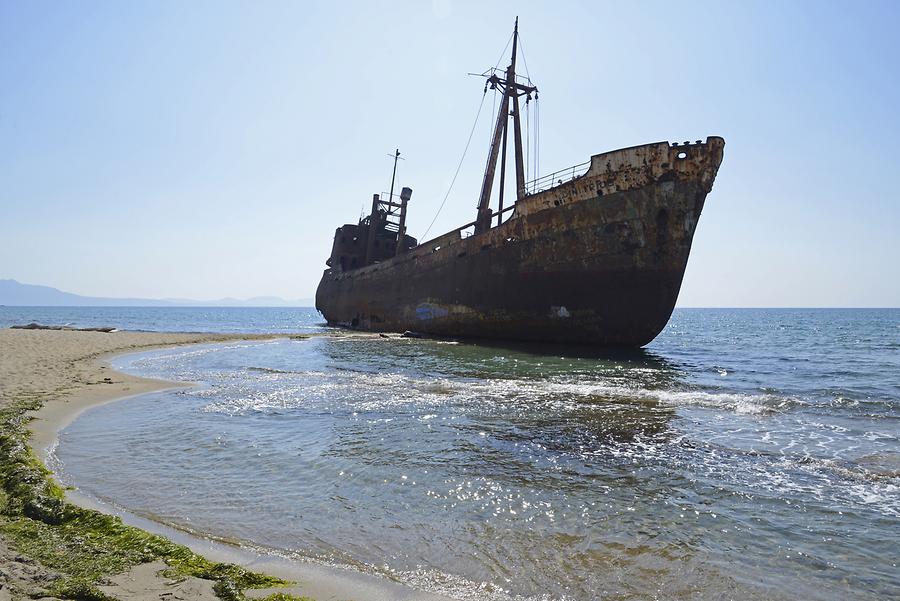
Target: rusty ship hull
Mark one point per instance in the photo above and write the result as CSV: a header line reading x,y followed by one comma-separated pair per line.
x,y
596,260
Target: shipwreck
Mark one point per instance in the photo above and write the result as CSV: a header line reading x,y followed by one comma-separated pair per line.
x,y
594,254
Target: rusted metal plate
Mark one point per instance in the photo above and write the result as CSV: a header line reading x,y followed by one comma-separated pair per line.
x,y
596,260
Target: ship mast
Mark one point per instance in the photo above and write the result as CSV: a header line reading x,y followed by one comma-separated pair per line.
x,y
509,107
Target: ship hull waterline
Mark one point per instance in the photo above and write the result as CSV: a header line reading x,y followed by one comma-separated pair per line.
x,y
598,260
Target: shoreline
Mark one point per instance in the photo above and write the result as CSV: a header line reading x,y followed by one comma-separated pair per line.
x,y
92,382
56,415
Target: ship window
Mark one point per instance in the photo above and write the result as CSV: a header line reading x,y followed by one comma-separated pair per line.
x,y
682,155
355,238
435,249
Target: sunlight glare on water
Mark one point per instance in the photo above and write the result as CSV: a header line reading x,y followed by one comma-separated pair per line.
x,y
744,454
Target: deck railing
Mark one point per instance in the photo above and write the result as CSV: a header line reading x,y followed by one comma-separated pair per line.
x,y
556,178
533,187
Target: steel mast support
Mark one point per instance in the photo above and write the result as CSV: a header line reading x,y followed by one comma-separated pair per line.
x,y
520,163
483,219
511,93
502,177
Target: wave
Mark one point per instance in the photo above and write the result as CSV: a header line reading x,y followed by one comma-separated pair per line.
x,y
270,370
367,390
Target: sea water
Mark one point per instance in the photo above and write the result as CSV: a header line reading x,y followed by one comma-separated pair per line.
x,y
226,320
743,454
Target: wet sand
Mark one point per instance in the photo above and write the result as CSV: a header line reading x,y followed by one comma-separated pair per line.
x,y
68,372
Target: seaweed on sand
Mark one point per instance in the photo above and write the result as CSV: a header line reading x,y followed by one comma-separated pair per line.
x,y
85,546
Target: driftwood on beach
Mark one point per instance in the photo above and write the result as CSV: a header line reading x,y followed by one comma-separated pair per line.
x,y
37,326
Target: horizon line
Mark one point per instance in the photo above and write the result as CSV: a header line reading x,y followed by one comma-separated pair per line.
x,y
214,306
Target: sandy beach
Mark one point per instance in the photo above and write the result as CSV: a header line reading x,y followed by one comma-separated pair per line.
x,y
66,372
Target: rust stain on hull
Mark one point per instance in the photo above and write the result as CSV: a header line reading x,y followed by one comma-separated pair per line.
x,y
596,260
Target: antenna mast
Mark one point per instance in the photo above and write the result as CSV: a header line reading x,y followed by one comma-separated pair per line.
x,y
396,156
382,209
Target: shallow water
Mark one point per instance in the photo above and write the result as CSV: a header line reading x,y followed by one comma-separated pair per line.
x,y
744,454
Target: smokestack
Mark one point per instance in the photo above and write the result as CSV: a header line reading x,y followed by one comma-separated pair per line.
x,y
405,195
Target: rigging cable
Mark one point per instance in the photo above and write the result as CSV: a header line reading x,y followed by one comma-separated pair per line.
x,y
494,108
459,166
535,144
537,138
527,139
471,133
493,116
536,173
524,60
502,54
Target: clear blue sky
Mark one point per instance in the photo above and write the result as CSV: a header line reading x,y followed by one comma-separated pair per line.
x,y
209,149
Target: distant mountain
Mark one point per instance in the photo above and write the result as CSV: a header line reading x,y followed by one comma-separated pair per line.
x,y
14,293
